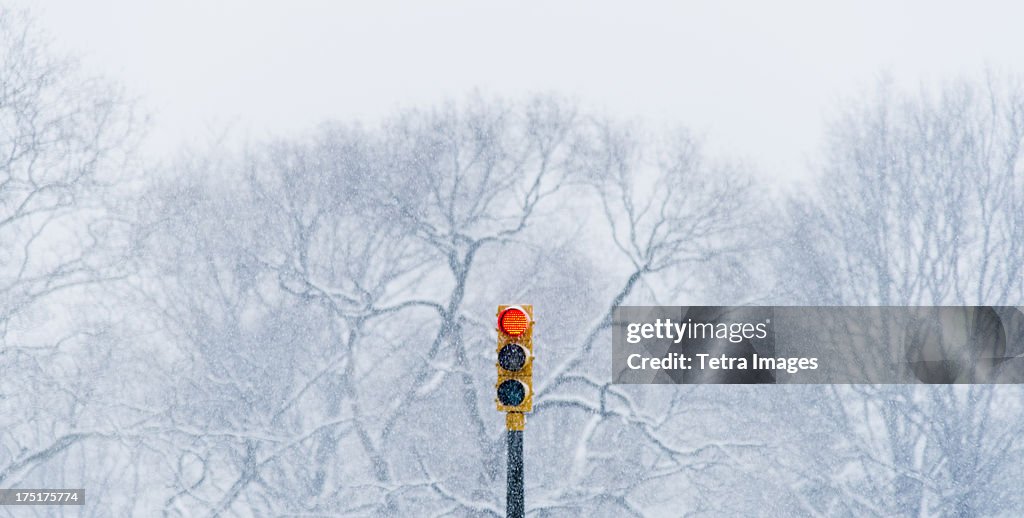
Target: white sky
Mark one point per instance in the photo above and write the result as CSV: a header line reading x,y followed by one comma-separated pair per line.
x,y
755,77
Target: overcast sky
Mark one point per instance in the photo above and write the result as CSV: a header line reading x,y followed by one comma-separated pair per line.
x,y
755,77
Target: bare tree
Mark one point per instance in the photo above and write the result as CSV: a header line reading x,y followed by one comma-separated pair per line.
x,y
672,216
919,203
374,253
64,139
353,227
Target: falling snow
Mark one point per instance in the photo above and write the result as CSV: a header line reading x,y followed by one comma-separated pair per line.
x,y
307,327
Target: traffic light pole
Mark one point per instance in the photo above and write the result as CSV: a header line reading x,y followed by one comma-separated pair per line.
x,y
514,393
514,501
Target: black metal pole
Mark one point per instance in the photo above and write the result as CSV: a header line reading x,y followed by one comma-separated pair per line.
x,y
514,506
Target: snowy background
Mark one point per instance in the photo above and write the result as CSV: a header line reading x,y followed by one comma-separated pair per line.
x,y
226,295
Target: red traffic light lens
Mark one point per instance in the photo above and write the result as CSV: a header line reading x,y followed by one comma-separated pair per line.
x,y
513,321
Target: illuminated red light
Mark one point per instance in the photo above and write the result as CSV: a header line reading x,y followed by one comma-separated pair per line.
x,y
513,321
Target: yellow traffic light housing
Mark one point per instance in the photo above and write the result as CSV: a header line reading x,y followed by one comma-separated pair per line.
x,y
515,359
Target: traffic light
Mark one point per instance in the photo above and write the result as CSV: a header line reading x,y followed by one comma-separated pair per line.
x,y
515,358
